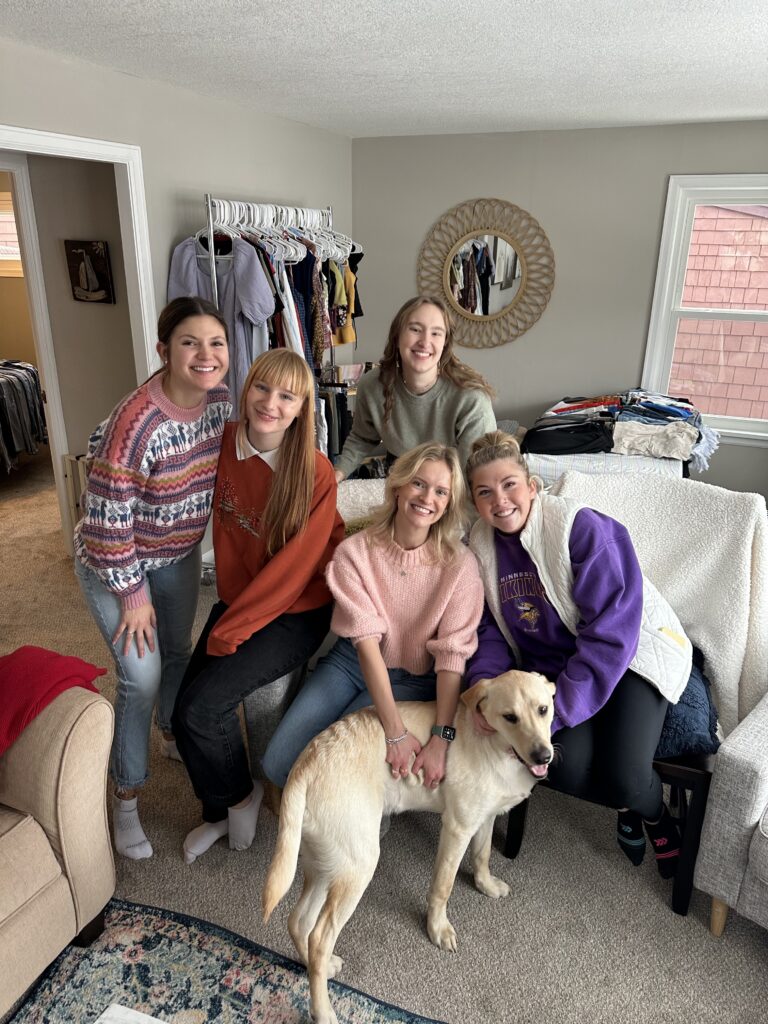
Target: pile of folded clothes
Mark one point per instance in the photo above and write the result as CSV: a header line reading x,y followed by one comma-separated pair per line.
x,y
634,422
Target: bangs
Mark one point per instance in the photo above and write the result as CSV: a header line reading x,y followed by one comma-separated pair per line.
x,y
285,370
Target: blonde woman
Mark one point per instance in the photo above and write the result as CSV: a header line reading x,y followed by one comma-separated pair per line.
x,y
275,527
419,390
408,601
565,596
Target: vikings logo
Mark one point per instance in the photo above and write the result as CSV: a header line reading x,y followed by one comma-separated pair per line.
x,y
528,613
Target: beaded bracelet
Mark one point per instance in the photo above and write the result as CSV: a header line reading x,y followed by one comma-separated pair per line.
x,y
396,739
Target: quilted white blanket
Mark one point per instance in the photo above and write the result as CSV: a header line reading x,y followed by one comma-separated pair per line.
x,y
706,549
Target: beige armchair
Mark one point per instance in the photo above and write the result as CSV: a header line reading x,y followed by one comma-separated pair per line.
x,y
733,860
56,866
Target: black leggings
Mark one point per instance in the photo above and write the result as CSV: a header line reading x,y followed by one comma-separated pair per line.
x,y
608,759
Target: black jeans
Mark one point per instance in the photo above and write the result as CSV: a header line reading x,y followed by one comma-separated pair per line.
x,y
206,724
609,758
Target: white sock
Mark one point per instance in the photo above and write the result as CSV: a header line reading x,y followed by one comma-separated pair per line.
x,y
130,840
242,821
169,749
202,838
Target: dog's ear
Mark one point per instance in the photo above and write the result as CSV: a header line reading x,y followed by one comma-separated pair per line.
x,y
551,685
475,694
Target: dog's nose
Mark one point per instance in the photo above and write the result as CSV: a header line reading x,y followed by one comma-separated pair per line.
x,y
541,755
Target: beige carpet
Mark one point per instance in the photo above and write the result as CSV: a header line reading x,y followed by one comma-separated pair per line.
x,y
584,937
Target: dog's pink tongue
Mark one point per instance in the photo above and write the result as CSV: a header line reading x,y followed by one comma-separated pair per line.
x,y
539,770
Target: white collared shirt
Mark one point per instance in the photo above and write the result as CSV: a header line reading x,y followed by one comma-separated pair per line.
x,y
245,450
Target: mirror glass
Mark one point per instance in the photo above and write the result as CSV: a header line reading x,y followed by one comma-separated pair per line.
x,y
493,263
484,273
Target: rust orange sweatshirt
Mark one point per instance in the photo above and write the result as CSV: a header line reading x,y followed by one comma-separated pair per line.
x,y
255,588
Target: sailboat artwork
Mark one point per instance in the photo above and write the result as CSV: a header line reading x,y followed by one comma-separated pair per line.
x,y
89,271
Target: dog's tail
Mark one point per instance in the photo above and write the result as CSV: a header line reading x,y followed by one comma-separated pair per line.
x,y
286,856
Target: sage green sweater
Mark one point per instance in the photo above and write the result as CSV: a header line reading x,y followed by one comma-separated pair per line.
x,y
446,413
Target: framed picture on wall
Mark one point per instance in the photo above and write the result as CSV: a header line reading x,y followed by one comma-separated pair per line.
x,y
89,271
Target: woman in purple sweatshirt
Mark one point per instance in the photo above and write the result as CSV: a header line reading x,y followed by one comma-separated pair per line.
x,y
565,596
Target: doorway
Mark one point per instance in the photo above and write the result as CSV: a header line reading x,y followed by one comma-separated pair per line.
x,y
15,145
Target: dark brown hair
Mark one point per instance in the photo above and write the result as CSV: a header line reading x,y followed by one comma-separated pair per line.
x,y
180,309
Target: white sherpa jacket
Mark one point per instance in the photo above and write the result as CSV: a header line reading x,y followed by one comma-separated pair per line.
x,y
664,652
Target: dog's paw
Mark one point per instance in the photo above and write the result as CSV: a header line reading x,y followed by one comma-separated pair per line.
x,y
444,936
335,963
324,1018
493,887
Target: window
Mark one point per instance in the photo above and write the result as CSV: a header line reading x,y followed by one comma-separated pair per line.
x,y
708,335
10,256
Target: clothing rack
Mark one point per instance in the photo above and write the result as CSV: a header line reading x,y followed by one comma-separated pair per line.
x,y
229,212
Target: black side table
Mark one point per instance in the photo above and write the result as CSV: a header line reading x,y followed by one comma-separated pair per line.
x,y
688,778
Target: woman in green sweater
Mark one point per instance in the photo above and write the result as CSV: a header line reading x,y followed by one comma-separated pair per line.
x,y
420,392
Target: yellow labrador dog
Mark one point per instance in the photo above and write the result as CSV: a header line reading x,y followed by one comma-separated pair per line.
x,y
340,787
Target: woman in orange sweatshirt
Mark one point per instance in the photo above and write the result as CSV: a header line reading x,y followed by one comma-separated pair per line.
x,y
275,527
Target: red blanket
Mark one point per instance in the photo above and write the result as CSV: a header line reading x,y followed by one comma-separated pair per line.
x,y
30,678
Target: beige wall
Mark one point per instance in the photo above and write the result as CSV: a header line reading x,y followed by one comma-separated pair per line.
x,y
189,144
77,199
600,196
16,338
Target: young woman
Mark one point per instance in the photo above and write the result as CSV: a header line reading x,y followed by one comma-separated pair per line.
x,y
565,596
408,601
420,390
150,482
275,527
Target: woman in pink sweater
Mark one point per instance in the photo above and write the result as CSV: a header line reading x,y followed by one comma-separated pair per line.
x,y
408,602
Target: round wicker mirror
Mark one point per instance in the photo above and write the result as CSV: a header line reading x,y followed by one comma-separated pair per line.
x,y
521,265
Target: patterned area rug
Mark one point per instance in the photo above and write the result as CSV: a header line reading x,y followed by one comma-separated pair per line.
x,y
185,971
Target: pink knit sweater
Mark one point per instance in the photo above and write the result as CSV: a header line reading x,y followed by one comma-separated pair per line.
x,y
423,615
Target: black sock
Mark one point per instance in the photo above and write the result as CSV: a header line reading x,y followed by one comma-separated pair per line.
x,y
630,836
665,839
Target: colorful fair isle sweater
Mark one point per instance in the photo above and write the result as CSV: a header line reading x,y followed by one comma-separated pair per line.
x,y
152,471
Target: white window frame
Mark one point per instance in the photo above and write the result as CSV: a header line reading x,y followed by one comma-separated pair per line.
x,y
685,193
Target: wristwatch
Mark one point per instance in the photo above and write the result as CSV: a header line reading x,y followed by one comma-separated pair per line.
x,y
445,732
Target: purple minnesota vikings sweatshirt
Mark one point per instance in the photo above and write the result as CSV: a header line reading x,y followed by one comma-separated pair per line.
x,y
607,590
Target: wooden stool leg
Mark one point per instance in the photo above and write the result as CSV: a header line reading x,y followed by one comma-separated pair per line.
x,y
515,829
717,917
693,821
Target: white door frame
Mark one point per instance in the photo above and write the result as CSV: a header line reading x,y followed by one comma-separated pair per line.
x,y
134,229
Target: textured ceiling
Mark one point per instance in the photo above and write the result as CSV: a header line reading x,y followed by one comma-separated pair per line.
x,y
405,67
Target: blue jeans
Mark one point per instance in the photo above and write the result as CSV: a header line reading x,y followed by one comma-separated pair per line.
x,y
334,689
154,679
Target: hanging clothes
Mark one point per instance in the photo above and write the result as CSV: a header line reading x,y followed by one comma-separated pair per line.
x,y
286,280
245,298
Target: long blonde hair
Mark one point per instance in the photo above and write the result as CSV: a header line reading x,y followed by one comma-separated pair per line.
x,y
450,366
287,510
444,535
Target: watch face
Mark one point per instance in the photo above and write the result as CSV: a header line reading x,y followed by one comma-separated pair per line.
x,y
445,732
